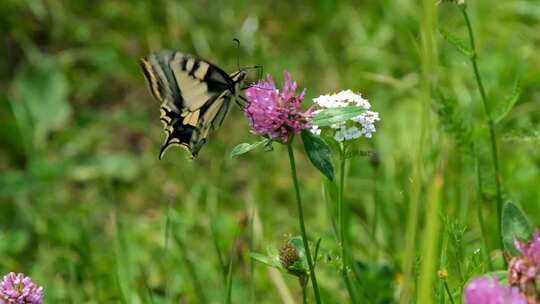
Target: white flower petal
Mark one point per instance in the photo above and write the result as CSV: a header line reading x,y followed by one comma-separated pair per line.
x,y
315,130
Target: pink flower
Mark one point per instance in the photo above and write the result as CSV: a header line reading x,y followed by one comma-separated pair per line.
x,y
531,250
276,113
484,290
524,271
19,289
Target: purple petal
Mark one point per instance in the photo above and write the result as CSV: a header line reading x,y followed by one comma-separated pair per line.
x,y
485,290
17,288
275,113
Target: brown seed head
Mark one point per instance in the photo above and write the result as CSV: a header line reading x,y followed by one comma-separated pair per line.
x,y
288,255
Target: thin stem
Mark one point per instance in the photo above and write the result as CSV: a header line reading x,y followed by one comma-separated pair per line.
x,y
302,225
490,123
341,209
448,292
480,213
228,288
375,211
349,286
430,240
342,234
428,71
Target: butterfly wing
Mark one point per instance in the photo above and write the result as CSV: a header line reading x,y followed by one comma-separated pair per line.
x,y
194,95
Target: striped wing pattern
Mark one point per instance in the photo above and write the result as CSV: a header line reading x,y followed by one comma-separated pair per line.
x,y
195,96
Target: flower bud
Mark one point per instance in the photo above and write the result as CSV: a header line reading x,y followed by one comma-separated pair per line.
x,y
288,255
443,274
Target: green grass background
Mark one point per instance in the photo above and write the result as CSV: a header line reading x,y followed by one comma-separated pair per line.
x,y
85,204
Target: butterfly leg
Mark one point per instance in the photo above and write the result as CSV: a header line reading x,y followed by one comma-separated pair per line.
x,y
242,104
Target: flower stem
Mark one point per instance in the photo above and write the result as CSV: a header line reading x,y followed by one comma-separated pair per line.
x,y
342,235
448,292
428,72
341,209
375,219
302,225
479,212
489,122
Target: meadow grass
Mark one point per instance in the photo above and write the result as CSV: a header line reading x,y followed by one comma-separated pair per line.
x,y
90,213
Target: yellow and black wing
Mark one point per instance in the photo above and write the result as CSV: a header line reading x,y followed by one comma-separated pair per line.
x,y
195,96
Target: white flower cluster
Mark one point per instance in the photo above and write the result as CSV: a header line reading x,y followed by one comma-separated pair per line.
x,y
342,99
361,125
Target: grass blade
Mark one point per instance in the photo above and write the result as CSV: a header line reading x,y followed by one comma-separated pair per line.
x,y
228,289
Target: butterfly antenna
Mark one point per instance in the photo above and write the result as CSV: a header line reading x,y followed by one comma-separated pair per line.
x,y
238,52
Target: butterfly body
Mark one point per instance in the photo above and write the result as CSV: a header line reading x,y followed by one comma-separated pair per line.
x,y
195,96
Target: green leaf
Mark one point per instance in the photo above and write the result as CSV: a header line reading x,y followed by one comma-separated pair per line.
x,y
269,261
316,254
298,243
319,153
245,147
522,136
514,226
268,147
508,104
331,116
458,43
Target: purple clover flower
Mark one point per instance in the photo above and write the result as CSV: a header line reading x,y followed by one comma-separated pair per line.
x,y
485,290
19,289
531,250
276,113
524,270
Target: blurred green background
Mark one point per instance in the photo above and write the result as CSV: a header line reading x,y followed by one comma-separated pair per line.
x,y
85,204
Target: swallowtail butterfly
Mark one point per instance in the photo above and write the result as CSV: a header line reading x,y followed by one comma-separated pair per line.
x,y
195,96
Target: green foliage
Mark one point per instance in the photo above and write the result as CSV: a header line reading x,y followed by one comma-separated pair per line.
x,y
245,147
459,44
515,226
272,261
452,120
376,281
507,105
272,258
319,153
455,256
327,117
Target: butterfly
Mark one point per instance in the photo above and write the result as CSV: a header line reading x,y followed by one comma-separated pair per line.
x,y
195,96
